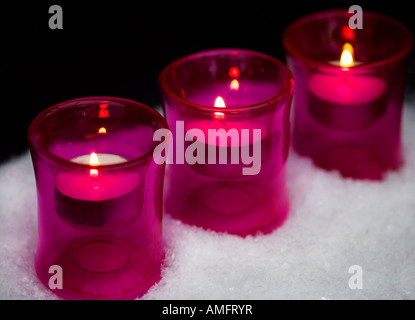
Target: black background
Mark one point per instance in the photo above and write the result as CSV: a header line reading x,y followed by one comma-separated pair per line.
x,y
118,48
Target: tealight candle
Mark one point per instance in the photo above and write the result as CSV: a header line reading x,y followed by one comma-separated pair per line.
x,y
231,143
347,112
240,99
96,159
99,197
87,201
344,100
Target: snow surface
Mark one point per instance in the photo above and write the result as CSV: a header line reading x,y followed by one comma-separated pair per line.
x,y
334,223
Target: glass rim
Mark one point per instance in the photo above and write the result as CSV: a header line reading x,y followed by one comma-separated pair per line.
x,y
336,12
68,163
230,51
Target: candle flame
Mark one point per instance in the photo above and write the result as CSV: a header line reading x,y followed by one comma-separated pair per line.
x,y
93,161
346,59
102,130
234,85
219,103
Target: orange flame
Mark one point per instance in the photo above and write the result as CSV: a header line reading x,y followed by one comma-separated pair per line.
x,y
234,85
346,59
93,162
102,130
219,103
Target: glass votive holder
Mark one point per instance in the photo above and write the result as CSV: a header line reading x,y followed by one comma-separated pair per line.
x,y
349,92
99,197
228,110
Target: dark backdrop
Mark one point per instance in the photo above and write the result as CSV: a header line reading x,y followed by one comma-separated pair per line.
x,y
118,48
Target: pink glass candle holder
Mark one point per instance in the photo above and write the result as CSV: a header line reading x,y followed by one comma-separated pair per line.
x,y
223,107
347,114
99,197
